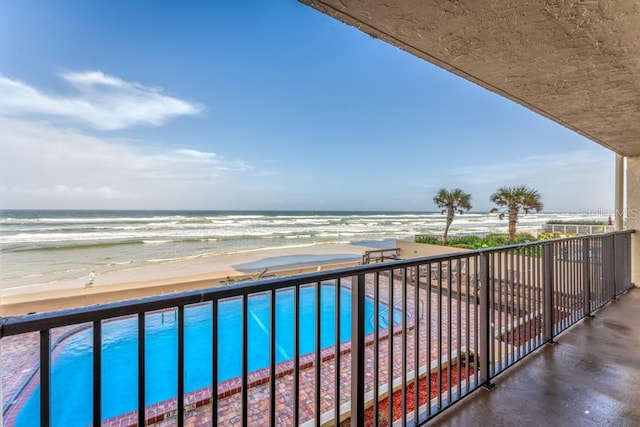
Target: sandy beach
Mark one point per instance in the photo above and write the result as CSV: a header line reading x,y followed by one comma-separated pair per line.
x,y
197,273
200,272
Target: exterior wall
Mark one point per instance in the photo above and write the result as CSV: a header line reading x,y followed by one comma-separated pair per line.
x,y
633,214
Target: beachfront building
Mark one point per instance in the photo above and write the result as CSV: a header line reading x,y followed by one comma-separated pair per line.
x,y
351,345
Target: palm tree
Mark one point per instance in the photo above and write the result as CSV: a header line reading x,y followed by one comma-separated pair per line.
x,y
515,200
451,202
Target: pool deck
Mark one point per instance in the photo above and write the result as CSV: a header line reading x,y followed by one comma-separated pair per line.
x,y
591,377
22,354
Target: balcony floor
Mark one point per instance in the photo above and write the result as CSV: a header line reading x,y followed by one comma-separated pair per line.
x,y
590,378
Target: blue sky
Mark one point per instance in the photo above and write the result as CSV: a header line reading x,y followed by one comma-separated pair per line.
x,y
256,105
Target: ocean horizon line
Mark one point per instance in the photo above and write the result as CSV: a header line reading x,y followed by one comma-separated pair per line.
x,y
583,211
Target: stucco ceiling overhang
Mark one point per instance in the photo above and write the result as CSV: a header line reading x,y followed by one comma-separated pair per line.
x,y
575,62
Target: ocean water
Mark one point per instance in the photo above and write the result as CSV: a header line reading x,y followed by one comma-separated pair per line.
x,y
46,246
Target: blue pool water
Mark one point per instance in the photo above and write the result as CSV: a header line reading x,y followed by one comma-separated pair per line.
x,y
71,372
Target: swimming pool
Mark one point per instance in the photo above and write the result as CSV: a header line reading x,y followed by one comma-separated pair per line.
x,y
71,372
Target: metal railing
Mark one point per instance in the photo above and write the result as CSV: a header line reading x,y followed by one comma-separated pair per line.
x,y
414,336
575,229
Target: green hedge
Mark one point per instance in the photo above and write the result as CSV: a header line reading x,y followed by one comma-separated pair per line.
x,y
476,242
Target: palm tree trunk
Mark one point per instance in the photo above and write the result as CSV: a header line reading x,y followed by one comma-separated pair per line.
x,y
450,215
513,219
446,229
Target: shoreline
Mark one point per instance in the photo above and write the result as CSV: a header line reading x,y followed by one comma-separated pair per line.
x,y
179,276
200,273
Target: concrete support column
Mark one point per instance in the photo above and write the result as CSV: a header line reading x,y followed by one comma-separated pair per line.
x,y
633,214
619,217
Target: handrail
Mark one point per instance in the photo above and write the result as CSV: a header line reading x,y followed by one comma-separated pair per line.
x,y
508,300
38,321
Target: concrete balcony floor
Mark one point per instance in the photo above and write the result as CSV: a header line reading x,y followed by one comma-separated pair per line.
x,y
591,377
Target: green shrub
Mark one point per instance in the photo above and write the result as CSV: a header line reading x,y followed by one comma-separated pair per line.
x,y
494,240
475,242
468,242
548,235
432,240
524,238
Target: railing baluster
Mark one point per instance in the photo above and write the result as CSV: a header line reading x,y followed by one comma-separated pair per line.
x,y
485,321
628,254
449,329
318,323
180,414
45,378
214,363
570,289
529,299
467,328
338,376
511,329
539,299
416,345
357,350
577,284
296,355
518,283
390,310
428,329
404,346
476,319
496,268
459,326
560,283
439,330
141,370
376,346
272,359
97,373
547,283
523,331
245,360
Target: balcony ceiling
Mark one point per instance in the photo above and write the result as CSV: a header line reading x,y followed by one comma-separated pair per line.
x,y
575,62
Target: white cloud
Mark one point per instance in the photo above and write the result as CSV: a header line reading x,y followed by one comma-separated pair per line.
x,y
567,180
44,166
103,102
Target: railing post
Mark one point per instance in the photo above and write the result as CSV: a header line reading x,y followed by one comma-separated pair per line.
x,y
627,261
608,261
357,349
586,278
45,378
141,369
97,372
547,286
485,322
